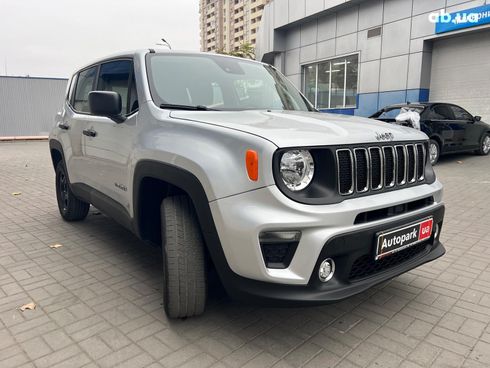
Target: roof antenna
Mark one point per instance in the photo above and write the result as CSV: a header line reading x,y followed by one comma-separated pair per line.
x,y
165,43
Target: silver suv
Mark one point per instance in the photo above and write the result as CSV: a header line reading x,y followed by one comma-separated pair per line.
x,y
225,164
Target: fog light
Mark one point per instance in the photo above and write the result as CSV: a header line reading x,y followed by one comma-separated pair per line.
x,y
326,270
436,231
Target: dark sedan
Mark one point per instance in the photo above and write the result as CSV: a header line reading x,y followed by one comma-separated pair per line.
x,y
450,127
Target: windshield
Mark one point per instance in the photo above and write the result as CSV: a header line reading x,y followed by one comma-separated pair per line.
x,y
220,83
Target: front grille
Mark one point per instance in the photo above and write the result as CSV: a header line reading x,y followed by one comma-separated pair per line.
x,y
376,168
411,177
363,169
389,153
366,266
420,162
401,162
362,165
345,166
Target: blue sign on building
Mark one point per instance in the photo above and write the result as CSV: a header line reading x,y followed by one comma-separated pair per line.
x,y
446,22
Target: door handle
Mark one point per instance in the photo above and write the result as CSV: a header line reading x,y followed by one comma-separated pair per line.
x,y
90,133
63,126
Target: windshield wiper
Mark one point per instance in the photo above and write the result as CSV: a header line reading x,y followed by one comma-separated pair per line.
x,y
186,107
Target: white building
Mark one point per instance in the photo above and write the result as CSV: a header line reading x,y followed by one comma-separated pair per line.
x,y
356,56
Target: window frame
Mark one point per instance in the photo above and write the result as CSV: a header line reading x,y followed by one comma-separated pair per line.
x,y
96,80
464,110
330,60
432,110
71,88
130,80
77,76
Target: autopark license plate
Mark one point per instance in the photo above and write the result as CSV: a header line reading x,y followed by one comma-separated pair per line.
x,y
395,240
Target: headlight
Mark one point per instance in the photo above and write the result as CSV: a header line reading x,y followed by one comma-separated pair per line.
x,y
297,169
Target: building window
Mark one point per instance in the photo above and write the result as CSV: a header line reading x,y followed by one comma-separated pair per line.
x,y
332,84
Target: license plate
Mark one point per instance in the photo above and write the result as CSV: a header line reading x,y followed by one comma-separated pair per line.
x,y
393,241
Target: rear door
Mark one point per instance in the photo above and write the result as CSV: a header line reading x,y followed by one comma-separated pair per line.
x,y
472,132
109,147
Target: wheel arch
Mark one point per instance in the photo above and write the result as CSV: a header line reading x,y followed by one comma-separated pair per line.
x,y
155,180
56,151
439,141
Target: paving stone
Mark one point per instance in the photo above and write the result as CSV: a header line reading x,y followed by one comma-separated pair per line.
x,y
35,348
481,353
154,347
364,354
302,354
386,360
99,296
472,328
448,359
57,339
424,354
95,347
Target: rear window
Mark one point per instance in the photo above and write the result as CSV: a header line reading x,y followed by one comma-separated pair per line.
x,y
393,113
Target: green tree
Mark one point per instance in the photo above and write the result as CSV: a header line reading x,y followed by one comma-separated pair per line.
x,y
246,50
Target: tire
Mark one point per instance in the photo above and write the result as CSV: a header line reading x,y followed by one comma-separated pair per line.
x,y
71,208
434,152
484,145
184,270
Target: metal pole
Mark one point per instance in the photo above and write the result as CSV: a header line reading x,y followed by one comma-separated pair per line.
x,y
345,80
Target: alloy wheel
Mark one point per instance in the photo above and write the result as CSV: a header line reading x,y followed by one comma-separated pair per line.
x,y
63,188
486,144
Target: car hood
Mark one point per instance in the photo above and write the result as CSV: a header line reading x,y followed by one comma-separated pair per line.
x,y
295,128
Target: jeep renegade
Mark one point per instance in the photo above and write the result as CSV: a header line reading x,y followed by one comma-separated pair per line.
x,y
223,163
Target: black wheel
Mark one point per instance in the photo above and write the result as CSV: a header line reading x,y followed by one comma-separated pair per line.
x,y
184,270
484,145
71,208
434,151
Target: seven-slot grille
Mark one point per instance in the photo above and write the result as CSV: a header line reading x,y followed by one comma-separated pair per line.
x,y
371,169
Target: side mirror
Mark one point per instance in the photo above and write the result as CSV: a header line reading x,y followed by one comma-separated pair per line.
x,y
106,103
477,118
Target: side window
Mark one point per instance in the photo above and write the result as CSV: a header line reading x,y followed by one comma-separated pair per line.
x,y
441,112
115,76
85,83
460,113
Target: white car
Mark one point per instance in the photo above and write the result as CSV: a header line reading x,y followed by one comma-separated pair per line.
x,y
225,164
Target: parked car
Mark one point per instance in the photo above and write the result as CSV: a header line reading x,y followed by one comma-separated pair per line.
x,y
450,128
223,163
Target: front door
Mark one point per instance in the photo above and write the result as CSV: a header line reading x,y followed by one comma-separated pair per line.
x,y
75,117
107,144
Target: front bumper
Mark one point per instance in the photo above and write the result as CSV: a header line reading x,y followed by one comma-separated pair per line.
x,y
240,219
349,251
328,231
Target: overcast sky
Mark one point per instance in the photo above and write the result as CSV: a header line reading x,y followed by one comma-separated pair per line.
x,y
51,38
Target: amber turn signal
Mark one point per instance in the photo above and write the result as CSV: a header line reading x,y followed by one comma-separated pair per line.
x,y
252,163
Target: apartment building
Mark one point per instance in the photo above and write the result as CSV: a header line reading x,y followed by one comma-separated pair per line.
x,y
226,24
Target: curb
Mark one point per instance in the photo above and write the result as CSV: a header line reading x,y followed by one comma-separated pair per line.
x,y
24,138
